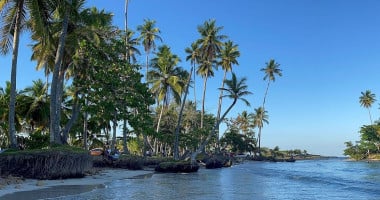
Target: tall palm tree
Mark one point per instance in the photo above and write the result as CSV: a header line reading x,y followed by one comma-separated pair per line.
x,y
166,78
148,35
259,118
14,15
271,70
193,54
90,25
228,57
236,90
210,45
366,100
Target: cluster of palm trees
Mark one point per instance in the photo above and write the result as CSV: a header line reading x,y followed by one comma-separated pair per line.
x,y
81,48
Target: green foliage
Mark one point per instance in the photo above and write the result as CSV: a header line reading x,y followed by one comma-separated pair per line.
x,y
37,140
369,143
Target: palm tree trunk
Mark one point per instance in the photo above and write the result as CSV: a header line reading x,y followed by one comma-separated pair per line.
x,y
12,99
126,29
220,106
74,117
203,99
259,135
176,136
195,96
159,118
259,140
205,142
370,116
114,126
54,129
85,117
125,130
59,95
265,95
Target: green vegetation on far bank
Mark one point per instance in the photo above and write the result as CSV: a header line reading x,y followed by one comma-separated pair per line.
x,y
368,147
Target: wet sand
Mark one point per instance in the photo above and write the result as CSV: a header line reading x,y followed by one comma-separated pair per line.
x,y
40,189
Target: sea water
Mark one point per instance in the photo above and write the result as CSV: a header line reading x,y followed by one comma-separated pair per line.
x,y
330,179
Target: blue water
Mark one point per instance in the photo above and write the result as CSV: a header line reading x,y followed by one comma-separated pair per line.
x,y
317,179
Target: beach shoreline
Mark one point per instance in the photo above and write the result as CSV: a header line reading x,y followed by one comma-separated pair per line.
x,y
19,188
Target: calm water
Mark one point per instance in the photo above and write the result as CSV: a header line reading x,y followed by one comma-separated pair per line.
x,y
321,179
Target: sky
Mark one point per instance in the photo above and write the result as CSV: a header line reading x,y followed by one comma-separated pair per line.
x,y
328,50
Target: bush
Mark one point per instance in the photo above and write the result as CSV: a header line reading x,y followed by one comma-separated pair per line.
x,y
129,162
176,167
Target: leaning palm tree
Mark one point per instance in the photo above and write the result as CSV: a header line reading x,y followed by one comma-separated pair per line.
x,y
259,118
366,100
14,16
148,35
236,90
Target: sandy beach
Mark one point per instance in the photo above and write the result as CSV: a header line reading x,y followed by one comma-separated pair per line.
x,y
31,188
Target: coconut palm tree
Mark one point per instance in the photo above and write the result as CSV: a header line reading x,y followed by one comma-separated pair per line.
x,y
236,90
166,78
228,57
148,35
260,117
244,122
193,54
14,16
210,45
38,107
366,100
87,25
131,47
271,70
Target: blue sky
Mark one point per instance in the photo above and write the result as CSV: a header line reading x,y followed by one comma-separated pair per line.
x,y
329,52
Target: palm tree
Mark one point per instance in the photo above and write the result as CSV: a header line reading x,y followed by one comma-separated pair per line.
x,y
14,15
193,54
89,25
271,70
236,90
228,57
38,108
148,35
210,45
366,100
131,47
205,69
259,118
244,123
166,78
